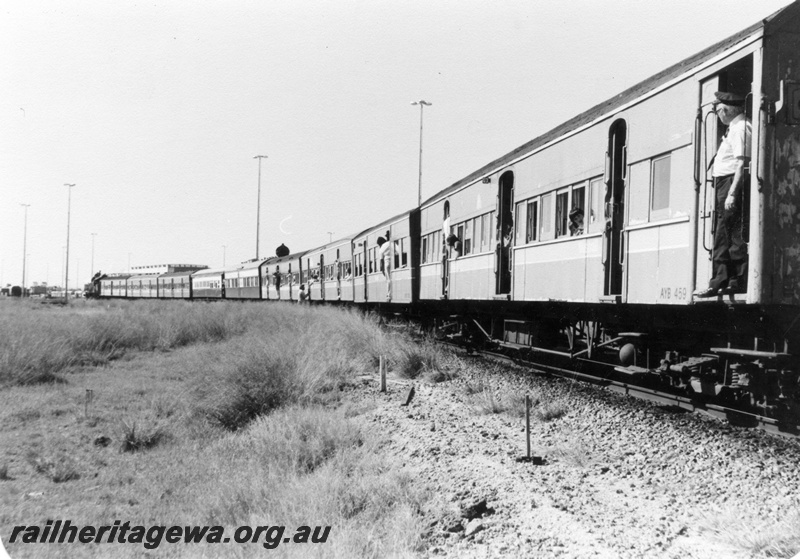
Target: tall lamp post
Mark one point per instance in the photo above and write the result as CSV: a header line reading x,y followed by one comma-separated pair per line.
x,y
422,104
258,207
92,270
66,273
24,246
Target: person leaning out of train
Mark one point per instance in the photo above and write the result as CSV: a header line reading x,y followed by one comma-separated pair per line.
x,y
729,253
385,256
454,244
575,222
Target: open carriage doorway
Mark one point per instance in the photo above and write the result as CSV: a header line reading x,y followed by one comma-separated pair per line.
x,y
505,233
616,175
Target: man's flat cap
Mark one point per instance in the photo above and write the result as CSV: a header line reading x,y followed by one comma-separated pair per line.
x,y
728,98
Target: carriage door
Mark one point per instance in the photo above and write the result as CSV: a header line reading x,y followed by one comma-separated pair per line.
x,y
366,271
445,248
708,132
505,233
616,174
321,277
337,275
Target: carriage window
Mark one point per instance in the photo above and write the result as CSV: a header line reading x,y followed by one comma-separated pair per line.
x,y
467,241
593,220
660,183
562,212
424,250
579,199
474,241
404,246
532,221
577,223
547,218
521,222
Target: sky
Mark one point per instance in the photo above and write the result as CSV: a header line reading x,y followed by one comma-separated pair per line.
x,y
155,110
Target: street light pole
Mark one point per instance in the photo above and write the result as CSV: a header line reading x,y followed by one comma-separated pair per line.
x,y
92,270
422,104
258,208
24,246
66,274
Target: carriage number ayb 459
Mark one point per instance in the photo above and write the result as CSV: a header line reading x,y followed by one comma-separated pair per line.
x,y
678,293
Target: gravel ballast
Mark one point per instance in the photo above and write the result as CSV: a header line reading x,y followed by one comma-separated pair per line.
x,y
612,476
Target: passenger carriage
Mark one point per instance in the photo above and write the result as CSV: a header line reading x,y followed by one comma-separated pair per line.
x,y
175,285
636,168
208,284
244,282
143,286
330,267
284,277
370,278
114,285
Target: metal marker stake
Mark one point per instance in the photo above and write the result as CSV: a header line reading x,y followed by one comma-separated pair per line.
x,y
383,373
528,423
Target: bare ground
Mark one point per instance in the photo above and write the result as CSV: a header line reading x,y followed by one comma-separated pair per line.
x,y
618,477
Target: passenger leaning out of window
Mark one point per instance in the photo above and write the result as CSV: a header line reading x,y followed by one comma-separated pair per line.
x,y
575,222
729,255
385,256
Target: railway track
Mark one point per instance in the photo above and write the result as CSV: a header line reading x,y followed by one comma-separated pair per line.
x,y
591,374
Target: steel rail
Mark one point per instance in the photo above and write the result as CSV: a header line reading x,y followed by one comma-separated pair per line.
x,y
733,416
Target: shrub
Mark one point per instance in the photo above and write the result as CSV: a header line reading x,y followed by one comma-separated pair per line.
x,y
57,465
414,360
148,435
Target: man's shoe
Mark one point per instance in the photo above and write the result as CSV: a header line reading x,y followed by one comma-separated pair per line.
x,y
732,289
706,293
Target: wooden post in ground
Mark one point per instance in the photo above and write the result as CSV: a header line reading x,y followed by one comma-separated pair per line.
x,y
87,402
383,373
528,424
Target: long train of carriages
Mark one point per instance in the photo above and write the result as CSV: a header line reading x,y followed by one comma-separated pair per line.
x,y
492,258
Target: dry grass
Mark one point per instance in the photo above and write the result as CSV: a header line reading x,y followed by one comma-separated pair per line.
x,y
549,411
239,419
422,358
142,436
754,537
56,465
40,343
311,465
507,400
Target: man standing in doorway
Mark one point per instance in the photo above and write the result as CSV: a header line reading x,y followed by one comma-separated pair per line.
x,y
729,254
